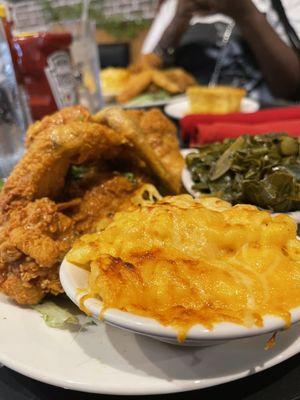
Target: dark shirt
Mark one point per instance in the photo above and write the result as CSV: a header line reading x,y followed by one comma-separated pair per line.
x,y
200,48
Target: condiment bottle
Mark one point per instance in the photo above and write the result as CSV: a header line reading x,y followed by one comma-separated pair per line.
x,y
44,66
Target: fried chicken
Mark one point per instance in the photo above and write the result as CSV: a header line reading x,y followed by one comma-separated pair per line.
x,y
44,207
33,243
137,84
68,114
173,81
145,62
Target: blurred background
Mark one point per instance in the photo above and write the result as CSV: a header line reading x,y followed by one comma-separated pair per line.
x,y
51,55
121,25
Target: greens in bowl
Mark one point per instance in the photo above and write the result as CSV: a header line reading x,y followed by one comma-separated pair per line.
x,y
262,170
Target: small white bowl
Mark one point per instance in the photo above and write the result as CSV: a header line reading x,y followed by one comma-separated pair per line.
x,y
75,280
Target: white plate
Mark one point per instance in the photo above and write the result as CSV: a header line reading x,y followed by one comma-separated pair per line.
x,y
188,183
103,359
179,109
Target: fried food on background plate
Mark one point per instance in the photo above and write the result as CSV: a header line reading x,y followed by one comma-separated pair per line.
x,y
145,62
77,171
174,81
136,84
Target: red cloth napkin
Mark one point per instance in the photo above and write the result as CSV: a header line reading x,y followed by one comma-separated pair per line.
x,y
219,131
197,129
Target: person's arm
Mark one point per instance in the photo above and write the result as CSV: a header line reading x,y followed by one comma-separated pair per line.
x,y
178,26
279,63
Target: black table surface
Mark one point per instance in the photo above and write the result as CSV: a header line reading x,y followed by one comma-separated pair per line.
x,y
278,383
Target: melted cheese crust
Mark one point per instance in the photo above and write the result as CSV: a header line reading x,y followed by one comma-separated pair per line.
x,y
184,261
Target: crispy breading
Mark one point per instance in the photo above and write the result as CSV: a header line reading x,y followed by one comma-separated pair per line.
x,y
173,81
182,78
161,134
158,151
163,81
68,114
101,202
137,84
34,242
42,170
44,208
145,62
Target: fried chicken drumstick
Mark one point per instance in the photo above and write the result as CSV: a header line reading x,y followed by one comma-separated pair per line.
x,y
77,171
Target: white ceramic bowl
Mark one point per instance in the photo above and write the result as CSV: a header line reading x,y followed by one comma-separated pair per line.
x,y
73,279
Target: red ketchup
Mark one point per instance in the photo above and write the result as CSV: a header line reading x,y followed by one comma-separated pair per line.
x,y
44,67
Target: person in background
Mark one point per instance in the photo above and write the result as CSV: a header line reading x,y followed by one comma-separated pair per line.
x,y
249,43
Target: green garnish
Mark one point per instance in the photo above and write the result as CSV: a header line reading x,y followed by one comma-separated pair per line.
x,y
78,171
56,316
262,170
130,176
1,184
149,98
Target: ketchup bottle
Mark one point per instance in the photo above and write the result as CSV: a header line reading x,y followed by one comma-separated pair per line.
x,y
44,67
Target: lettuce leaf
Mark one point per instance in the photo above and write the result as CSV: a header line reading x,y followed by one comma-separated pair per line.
x,y
149,98
56,316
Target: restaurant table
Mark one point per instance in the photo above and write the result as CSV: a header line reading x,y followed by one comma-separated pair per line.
x,y
278,383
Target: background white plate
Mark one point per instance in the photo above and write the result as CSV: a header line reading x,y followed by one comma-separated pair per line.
x,y
103,359
179,109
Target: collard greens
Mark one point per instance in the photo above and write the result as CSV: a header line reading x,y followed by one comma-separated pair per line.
x,y
263,170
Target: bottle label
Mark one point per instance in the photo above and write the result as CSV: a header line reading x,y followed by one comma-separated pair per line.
x,y
60,77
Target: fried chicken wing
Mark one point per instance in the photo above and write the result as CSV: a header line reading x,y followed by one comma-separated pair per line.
x,y
181,77
158,148
150,78
163,81
136,85
42,170
161,134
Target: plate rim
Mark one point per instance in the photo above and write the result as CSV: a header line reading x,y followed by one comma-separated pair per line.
x,y
35,374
